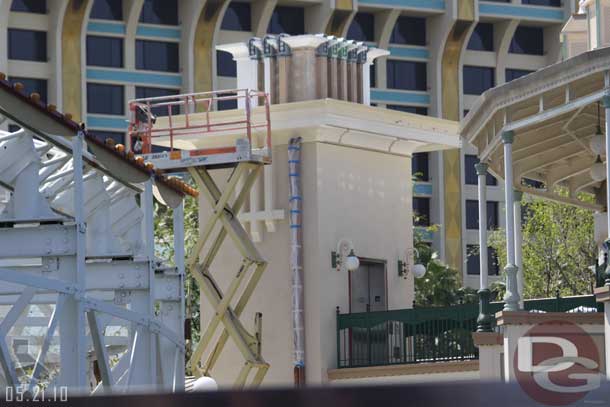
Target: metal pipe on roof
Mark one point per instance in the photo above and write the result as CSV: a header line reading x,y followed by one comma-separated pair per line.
x,y
296,260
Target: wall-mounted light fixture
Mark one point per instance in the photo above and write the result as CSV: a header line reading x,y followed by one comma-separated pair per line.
x,y
344,259
407,265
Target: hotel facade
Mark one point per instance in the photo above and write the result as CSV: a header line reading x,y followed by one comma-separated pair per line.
x,y
89,57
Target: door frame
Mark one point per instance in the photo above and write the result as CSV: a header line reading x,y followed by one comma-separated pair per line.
x,y
382,262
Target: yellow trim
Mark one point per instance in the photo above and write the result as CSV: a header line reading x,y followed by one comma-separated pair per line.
x,y
339,21
347,5
204,43
403,370
71,58
451,110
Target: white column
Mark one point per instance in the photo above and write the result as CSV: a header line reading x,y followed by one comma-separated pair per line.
x,y
484,320
481,169
606,104
511,297
519,245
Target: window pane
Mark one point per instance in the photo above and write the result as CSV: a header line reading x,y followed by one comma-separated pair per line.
x,y
493,263
160,12
409,109
470,173
478,79
492,215
157,56
237,17
117,136
420,166
472,214
362,28
528,40
373,75
482,38
225,65
421,211
550,3
407,75
30,6
107,9
491,180
105,99
27,45
104,51
227,104
147,92
289,20
12,128
31,85
409,31
473,261
512,74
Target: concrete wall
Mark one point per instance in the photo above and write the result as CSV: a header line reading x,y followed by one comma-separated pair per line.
x,y
348,193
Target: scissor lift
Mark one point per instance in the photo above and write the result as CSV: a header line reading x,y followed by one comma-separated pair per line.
x,y
199,141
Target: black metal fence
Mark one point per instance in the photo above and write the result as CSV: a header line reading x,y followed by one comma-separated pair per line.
x,y
427,334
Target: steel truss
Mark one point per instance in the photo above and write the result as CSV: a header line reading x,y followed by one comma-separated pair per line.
x,y
226,204
79,280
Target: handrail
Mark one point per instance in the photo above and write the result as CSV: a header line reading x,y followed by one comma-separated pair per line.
x,y
427,334
143,117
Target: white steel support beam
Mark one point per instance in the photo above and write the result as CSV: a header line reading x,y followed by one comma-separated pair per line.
x,y
512,295
569,150
15,312
72,323
97,338
145,358
47,341
574,167
541,118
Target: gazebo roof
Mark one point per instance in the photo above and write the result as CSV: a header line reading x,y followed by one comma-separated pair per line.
x,y
553,114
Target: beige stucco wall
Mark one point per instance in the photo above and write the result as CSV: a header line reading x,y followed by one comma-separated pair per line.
x,y
351,193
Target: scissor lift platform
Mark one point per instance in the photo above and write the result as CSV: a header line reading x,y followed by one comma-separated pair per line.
x,y
187,121
182,121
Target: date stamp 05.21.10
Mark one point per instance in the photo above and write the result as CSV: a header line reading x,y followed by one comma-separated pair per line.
x,y
36,394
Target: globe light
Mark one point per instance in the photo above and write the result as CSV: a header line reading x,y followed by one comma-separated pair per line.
x,y
597,143
419,270
205,383
598,170
351,262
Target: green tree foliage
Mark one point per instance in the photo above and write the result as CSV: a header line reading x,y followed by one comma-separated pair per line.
x,y
558,250
164,248
441,286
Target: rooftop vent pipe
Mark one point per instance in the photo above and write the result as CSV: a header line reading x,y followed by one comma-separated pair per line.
x,y
305,67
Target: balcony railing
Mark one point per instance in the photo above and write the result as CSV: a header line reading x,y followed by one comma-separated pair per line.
x,y
427,334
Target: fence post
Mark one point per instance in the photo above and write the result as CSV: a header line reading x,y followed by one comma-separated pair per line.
x,y
368,333
557,300
338,310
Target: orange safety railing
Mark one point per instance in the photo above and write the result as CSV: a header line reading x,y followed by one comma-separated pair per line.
x,y
195,119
